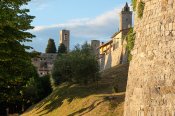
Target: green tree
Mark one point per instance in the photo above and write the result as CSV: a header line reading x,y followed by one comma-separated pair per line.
x,y
51,48
36,89
62,49
130,38
15,63
78,66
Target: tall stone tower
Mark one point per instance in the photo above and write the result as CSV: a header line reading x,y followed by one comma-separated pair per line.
x,y
95,44
65,38
151,81
125,17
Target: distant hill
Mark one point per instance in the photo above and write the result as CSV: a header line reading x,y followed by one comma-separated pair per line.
x,y
92,100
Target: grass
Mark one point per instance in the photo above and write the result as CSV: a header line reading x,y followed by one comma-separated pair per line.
x,y
92,100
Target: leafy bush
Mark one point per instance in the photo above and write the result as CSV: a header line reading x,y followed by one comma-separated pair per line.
x,y
130,43
140,9
78,66
44,86
36,89
134,4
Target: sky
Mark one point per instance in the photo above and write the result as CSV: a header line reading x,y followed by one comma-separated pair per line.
x,y
86,19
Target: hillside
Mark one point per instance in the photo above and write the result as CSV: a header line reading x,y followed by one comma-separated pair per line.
x,y
92,100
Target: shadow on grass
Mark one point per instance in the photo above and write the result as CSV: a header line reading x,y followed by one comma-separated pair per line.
x,y
113,100
87,109
68,92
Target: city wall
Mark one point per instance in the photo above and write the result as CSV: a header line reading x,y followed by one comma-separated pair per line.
x,y
151,81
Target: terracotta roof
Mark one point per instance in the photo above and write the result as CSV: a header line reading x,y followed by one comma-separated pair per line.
x,y
125,31
105,44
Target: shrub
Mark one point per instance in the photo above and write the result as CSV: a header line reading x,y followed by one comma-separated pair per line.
x,y
36,89
134,4
130,38
79,66
44,86
140,9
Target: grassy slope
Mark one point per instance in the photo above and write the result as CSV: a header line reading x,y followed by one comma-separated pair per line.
x,y
73,100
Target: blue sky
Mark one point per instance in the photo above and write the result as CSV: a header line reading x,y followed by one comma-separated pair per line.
x,y
86,19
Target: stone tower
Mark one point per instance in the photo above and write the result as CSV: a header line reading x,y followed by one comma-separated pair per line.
x,y
125,17
151,80
65,38
95,44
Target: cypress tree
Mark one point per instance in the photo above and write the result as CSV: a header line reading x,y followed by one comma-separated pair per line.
x,y
51,48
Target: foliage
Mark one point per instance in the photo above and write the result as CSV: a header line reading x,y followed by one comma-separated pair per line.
x,y
30,92
78,66
44,86
130,42
140,9
15,63
34,54
134,4
36,89
62,49
51,48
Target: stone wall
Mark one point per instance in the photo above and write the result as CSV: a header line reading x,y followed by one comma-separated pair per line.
x,y
151,80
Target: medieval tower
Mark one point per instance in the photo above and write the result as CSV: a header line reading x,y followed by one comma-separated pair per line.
x,y
151,80
65,38
125,18
94,45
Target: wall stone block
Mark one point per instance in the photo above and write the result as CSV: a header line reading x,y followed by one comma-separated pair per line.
x,y
151,80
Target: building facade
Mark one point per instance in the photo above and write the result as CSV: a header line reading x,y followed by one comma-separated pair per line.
x,y
114,52
44,63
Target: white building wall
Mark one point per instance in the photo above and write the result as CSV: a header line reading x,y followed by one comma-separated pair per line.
x,y
112,59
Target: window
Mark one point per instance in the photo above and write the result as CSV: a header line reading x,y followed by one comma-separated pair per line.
x,y
115,45
65,37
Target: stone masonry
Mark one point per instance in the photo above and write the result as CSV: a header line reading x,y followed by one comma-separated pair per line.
x,y
151,82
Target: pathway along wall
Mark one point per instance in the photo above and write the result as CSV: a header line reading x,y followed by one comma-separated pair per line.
x,y
151,81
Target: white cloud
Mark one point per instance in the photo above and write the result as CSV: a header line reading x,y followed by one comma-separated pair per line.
x,y
101,27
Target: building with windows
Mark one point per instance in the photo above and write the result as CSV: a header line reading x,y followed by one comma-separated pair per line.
x,y
114,51
44,63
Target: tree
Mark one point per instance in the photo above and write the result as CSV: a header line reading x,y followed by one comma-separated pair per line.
x,y
36,89
15,63
51,46
62,49
79,66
